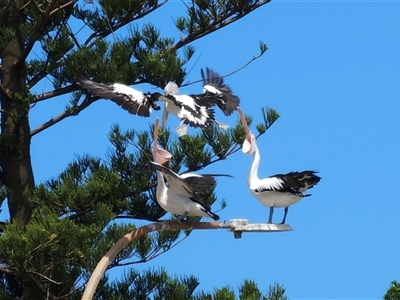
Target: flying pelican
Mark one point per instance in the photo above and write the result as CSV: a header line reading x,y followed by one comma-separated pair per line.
x,y
215,92
185,107
134,101
180,196
193,110
281,190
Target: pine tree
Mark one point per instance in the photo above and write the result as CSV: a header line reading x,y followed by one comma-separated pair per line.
x,y
59,229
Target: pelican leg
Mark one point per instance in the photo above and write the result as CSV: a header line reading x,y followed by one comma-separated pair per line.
x,y
271,212
165,116
181,217
284,216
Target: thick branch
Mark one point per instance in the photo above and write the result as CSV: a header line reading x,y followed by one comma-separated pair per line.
x,y
57,92
73,111
133,235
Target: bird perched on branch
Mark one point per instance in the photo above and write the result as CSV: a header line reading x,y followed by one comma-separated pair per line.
x,y
181,195
281,190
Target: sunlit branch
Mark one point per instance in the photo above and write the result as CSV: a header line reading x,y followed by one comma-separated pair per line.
x,y
133,235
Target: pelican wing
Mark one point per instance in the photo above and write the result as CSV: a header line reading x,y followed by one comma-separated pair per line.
x,y
134,101
214,86
189,111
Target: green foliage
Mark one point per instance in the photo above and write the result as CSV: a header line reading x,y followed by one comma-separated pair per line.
x,y
393,292
73,222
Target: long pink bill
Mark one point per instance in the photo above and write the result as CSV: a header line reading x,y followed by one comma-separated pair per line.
x,y
159,155
247,146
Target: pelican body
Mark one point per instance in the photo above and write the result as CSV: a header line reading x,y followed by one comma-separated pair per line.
x,y
280,190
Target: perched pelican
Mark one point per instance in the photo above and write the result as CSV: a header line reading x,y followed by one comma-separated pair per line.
x,y
179,197
281,190
134,101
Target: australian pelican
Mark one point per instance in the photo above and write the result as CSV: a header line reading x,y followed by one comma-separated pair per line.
x,y
134,101
196,109
281,190
180,196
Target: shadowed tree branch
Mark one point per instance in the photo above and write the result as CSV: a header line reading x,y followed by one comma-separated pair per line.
x,y
72,111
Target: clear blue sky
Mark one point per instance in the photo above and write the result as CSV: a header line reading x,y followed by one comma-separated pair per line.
x,y
333,73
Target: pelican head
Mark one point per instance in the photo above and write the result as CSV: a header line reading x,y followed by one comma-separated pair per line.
x,y
171,89
160,156
249,144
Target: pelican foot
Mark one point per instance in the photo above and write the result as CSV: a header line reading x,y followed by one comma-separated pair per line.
x,y
222,125
181,130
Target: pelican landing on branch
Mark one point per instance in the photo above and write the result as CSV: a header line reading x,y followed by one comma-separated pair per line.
x,y
181,195
281,190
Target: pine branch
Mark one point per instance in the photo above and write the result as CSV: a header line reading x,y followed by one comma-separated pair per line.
x,y
41,24
72,111
126,20
233,72
216,25
54,93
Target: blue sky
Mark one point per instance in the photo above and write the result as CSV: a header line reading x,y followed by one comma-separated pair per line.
x,y
332,71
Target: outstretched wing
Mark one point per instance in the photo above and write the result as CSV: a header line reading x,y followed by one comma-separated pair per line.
x,y
213,85
134,101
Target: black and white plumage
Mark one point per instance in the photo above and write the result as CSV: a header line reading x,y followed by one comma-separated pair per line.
x,y
134,101
213,85
181,195
281,190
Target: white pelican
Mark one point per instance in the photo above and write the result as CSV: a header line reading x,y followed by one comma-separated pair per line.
x,y
281,190
180,196
134,101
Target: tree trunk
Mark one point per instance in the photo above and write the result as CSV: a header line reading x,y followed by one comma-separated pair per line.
x,y
15,139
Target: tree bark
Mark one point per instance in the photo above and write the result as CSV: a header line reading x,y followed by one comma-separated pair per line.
x,y
15,138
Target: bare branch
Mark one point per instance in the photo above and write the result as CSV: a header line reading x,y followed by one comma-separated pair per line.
x,y
72,2
5,270
54,93
72,111
41,287
231,73
45,277
5,9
